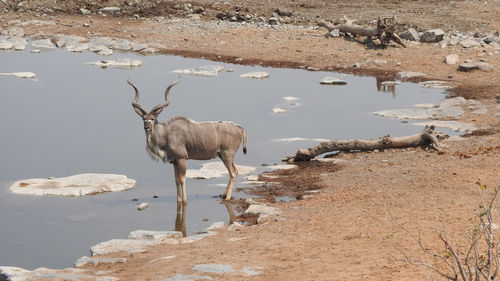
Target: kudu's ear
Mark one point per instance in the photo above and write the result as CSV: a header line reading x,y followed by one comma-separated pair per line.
x,y
157,110
139,110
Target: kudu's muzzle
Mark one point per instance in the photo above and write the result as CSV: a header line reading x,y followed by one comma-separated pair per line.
x,y
148,125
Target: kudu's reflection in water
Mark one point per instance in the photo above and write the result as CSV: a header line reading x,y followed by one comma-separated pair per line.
x,y
180,219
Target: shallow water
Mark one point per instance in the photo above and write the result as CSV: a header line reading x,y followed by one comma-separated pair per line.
x,y
77,118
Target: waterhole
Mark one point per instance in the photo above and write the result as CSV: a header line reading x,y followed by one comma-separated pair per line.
x,y
77,118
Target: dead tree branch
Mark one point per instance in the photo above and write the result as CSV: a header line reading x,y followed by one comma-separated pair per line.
x,y
426,138
384,31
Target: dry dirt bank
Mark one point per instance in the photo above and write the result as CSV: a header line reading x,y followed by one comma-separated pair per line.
x,y
338,234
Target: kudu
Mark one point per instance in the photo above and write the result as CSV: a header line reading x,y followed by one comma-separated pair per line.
x,y
180,139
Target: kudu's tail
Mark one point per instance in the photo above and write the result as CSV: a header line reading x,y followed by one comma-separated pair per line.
x,y
244,140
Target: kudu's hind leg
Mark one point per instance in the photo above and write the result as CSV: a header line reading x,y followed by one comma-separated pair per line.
x,y
228,161
180,179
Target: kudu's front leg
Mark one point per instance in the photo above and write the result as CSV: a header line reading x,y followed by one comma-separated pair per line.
x,y
180,179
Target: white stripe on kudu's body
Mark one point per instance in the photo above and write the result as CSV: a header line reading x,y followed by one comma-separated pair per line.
x,y
180,139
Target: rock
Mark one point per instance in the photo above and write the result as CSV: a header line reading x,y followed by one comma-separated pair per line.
x,y
15,31
122,245
451,59
283,13
209,70
77,47
410,34
77,185
8,273
110,10
6,45
332,81
454,125
469,66
121,63
215,226
333,34
105,52
448,109
122,44
98,41
214,170
213,268
278,110
281,167
63,40
187,277
469,43
83,11
255,75
153,235
432,36
136,47
43,44
35,51
262,209
98,261
409,74
19,74
195,238
435,84
142,206
19,43
453,40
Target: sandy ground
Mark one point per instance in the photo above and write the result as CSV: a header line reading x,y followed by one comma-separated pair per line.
x,y
343,232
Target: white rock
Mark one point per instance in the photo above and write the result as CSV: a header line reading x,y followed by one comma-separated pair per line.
x,y
43,44
435,84
278,110
332,81
6,45
454,125
35,51
262,209
215,226
410,74
138,47
122,44
425,105
451,59
121,63
106,41
97,261
105,52
214,170
195,238
290,98
77,185
110,9
469,43
281,167
19,274
449,109
255,75
209,70
123,245
142,206
153,235
77,47
19,74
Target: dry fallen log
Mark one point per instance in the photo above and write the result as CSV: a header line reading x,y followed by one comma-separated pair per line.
x,y
384,30
426,138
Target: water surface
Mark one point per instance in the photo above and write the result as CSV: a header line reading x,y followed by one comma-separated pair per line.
x,y
77,118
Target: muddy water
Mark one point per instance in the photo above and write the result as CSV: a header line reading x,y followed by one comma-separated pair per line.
x,y
77,118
